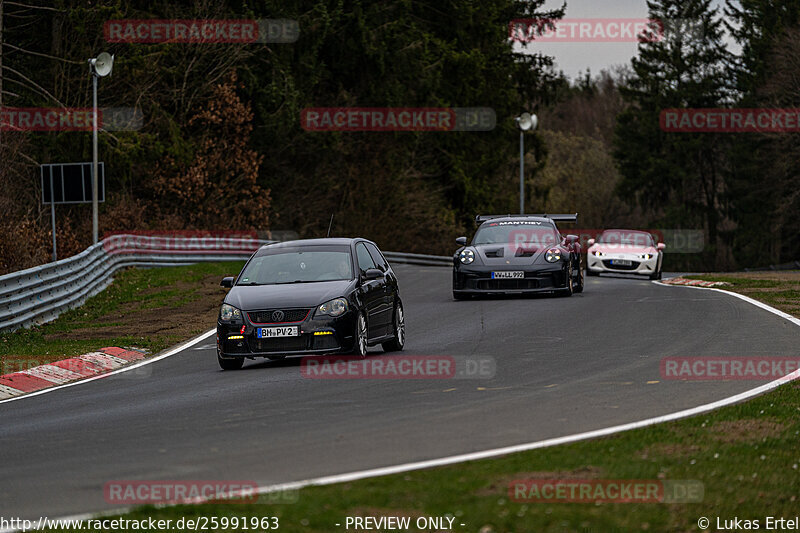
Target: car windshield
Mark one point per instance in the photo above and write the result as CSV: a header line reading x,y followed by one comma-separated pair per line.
x,y
632,238
526,234
297,266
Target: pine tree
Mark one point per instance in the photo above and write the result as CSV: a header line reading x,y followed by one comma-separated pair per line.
x,y
757,185
678,175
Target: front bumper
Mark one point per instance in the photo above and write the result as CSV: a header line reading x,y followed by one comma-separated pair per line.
x,y
318,336
638,266
478,280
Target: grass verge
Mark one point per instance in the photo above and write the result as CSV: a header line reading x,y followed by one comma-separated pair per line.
x,y
746,456
779,289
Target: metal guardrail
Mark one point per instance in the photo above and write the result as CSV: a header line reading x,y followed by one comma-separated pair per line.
x,y
39,294
418,259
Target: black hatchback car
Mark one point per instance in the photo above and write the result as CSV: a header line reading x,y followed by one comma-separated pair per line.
x,y
310,297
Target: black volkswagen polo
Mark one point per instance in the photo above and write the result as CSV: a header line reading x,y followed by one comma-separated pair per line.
x,y
310,297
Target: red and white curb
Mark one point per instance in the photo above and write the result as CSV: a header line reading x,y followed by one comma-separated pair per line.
x,y
693,282
65,371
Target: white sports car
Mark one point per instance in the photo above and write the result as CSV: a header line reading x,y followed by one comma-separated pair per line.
x,y
625,252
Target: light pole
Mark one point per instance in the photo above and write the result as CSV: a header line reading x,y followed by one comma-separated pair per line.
x,y
99,67
525,122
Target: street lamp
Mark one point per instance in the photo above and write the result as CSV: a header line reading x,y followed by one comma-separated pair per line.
x,y
99,67
525,122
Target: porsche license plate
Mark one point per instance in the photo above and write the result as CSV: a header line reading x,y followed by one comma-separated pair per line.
x,y
279,331
511,274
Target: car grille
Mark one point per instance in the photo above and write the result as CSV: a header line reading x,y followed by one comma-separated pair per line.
x,y
280,344
266,316
633,266
507,284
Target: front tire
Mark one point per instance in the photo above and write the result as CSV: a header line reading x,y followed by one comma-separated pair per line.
x,y
569,289
399,324
360,342
579,286
234,363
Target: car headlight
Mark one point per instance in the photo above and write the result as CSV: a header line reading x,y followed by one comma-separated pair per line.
x,y
229,312
466,257
646,256
597,253
553,255
335,307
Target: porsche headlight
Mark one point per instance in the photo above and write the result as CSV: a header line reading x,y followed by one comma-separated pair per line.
x,y
553,255
229,312
466,257
335,307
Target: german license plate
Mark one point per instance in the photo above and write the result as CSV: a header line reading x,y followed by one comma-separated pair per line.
x,y
621,262
279,331
509,274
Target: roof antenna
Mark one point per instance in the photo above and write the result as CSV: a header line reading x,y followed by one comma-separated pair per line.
x,y
330,224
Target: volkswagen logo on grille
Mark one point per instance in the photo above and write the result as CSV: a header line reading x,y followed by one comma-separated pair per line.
x,y
277,316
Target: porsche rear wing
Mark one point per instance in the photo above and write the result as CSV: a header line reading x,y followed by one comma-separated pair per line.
x,y
555,218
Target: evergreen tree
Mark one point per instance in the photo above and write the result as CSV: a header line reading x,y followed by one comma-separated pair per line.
x,y
680,176
757,185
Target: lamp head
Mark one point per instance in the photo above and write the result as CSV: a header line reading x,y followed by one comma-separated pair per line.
x,y
102,64
526,121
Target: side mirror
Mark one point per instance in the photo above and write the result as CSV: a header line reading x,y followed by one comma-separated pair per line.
x,y
461,241
572,239
372,273
590,242
661,246
227,282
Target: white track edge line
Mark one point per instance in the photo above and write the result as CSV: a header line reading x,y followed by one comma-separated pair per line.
x,y
168,353
496,452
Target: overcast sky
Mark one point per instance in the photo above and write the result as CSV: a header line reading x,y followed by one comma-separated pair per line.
x,y
575,57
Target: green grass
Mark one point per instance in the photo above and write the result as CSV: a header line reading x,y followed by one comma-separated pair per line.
x,y
783,295
140,296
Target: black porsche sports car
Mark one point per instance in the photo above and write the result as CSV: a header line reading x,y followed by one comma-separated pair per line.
x,y
514,254
316,296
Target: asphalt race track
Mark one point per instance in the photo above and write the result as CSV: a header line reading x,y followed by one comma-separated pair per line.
x,y
563,366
